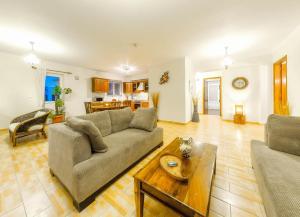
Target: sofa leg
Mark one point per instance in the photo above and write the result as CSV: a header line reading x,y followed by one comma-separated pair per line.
x,y
51,172
82,205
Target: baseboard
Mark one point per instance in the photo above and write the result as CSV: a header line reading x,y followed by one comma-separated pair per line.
x,y
3,129
173,122
247,122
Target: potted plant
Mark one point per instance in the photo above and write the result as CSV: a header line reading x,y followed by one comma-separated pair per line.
x,y
59,115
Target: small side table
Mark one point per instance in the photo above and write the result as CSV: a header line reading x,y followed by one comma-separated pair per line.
x,y
239,119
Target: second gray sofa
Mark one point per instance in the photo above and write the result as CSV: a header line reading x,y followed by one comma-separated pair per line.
x,y
83,172
276,168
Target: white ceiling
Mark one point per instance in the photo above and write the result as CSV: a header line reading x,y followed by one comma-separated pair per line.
x,y
98,34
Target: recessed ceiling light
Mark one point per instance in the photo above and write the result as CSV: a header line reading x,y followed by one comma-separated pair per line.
x,y
126,68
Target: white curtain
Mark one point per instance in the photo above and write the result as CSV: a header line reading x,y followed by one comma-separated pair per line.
x,y
42,77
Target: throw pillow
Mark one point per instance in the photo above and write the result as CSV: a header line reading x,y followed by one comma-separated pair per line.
x,y
101,120
89,128
144,119
120,119
283,134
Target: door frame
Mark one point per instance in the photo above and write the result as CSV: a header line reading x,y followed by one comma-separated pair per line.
x,y
203,93
275,70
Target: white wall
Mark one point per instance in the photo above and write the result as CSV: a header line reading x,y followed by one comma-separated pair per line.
x,y
291,48
137,76
172,102
256,98
249,97
20,87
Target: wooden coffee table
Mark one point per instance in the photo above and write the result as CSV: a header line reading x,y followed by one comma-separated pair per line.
x,y
189,198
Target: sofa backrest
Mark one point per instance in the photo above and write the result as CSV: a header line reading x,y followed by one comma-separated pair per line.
x,y
283,134
120,119
101,120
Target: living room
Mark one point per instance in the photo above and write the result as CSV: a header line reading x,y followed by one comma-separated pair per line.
x,y
149,108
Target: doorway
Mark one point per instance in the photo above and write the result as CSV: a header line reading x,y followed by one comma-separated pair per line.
x,y
212,96
280,87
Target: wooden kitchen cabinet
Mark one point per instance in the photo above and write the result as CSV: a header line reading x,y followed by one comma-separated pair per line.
x,y
128,87
137,83
145,104
100,85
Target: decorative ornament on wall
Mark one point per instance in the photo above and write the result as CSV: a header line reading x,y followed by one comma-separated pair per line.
x,y
240,83
164,78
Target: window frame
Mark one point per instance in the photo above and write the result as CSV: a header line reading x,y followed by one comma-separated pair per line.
x,y
113,86
61,78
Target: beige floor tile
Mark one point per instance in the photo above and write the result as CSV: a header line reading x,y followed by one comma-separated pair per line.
x,y
10,198
251,195
17,212
235,200
36,204
236,212
219,207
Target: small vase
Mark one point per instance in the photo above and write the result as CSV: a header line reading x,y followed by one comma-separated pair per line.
x,y
186,147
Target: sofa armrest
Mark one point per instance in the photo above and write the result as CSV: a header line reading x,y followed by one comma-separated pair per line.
x,y
66,149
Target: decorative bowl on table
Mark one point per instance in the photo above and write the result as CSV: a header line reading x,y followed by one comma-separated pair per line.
x,y
173,166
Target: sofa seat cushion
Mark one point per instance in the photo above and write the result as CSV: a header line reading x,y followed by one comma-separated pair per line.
x,y
144,119
120,119
278,177
124,148
101,120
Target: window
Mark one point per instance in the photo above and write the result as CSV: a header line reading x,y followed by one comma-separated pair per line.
x,y
51,82
115,88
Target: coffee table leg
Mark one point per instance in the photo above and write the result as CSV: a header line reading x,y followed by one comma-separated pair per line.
x,y
139,198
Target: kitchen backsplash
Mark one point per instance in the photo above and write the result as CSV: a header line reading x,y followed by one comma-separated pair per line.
x,y
135,96
140,96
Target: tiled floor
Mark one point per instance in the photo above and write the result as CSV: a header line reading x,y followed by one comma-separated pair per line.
x,y
27,189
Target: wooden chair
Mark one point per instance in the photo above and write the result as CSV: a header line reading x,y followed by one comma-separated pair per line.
x,y
28,124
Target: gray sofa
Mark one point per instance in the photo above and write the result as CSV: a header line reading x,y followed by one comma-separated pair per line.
x,y
276,164
85,173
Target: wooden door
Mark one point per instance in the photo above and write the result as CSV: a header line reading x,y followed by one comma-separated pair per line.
x,y
206,96
280,87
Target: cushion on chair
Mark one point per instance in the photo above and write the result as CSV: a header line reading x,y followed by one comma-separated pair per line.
x,y
13,126
89,128
39,114
36,127
120,119
144,119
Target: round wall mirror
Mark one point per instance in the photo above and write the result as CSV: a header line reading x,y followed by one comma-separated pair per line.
x,y
240,83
